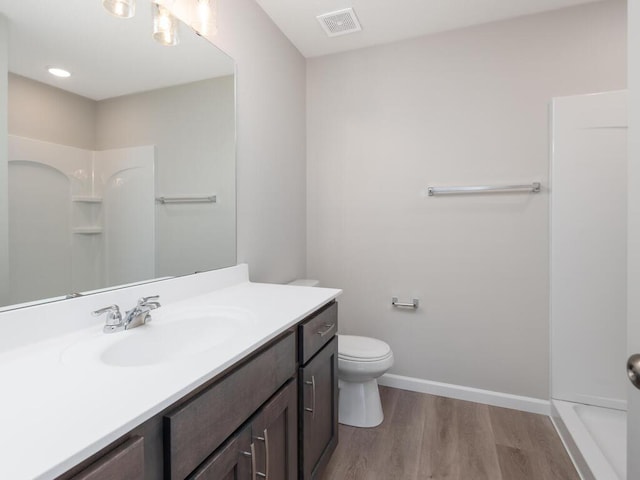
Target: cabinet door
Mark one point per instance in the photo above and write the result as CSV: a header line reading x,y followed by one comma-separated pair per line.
x,y
197,428
275,436
125,462
319,410
231,462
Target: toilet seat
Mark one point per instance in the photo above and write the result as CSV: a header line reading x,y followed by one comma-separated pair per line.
x,y
362,349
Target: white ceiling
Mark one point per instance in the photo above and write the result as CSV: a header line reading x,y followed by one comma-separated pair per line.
x,y
108,56
385,21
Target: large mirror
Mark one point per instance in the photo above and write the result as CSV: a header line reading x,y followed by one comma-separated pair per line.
x,y
124,171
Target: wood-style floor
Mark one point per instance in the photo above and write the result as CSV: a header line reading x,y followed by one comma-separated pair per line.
x,y
429,437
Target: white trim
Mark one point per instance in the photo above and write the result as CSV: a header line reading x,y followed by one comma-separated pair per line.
x,y
587,455
584,472
573,454
612,403
459,392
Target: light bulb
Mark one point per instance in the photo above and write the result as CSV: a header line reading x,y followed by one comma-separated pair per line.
x,y
204,13
165,26
120,8
207,17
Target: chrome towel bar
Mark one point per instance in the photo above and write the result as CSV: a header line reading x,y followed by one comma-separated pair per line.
x,y
532,188
187,199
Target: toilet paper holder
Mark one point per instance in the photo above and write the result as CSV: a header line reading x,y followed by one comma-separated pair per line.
x,y
415,303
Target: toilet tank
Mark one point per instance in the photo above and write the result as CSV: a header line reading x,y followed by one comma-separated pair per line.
x,y
305,282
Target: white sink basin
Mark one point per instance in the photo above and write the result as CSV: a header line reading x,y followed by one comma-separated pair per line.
x,y
173,335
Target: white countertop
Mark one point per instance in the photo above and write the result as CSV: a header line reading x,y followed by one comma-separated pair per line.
x,y
54,414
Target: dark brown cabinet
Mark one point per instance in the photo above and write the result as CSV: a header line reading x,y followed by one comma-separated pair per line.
x,y
271,416
275,436
231,462
197,427
318,392
125,462
265,448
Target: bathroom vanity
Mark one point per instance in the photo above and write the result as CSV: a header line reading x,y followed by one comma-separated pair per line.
x,y
260,404
318,390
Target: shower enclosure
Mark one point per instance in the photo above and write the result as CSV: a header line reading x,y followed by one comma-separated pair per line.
x,y
588,280
78,219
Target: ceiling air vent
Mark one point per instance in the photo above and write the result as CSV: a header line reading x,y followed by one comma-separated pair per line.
x,y
339,22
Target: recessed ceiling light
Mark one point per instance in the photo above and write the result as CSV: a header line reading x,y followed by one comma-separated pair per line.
x,y
59,72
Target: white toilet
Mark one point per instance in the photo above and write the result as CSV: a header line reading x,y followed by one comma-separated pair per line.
x,y
361,360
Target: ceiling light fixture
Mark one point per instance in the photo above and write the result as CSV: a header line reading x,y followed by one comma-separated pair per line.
x,y
207,14
59,72
120,8
165,26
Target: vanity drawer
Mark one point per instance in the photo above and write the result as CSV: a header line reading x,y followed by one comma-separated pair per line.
x,y
125,461
196,428
317,331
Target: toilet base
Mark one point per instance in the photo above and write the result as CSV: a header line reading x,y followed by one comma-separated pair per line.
x,y
359,404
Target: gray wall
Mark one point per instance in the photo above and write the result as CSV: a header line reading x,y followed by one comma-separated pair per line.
x,y
459,108
42,112
271,142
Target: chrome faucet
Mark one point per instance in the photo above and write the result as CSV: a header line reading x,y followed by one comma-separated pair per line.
x,y
139,315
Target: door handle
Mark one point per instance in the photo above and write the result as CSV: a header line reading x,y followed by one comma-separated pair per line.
x,y
312,383
266,452
252,455
633,369
329,328
265,439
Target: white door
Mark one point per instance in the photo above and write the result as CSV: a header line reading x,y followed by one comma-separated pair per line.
x,y
633,249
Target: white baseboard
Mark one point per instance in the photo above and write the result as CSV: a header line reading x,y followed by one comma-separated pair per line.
x,y
497,399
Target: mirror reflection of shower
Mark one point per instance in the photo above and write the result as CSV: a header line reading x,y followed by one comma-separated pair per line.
x,y
135,93
78,219
92,151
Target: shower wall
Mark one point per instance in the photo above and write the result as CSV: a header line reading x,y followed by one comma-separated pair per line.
x,y
42,179
588,249
78,220
126,177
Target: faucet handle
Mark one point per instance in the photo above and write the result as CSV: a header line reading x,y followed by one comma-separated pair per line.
x,y
114,317
151,302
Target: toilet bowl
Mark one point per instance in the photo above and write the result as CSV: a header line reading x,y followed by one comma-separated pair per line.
x,y
361,360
